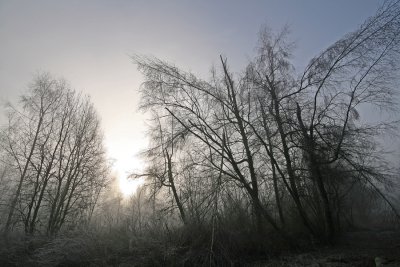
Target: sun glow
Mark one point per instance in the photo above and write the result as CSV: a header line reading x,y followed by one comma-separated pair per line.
x,y
129,187
124,167
123,149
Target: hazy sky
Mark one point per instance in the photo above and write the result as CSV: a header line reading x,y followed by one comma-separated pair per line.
x,y
89,42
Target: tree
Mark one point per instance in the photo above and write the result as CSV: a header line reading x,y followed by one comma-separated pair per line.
x,y
288,133
205,110
55,144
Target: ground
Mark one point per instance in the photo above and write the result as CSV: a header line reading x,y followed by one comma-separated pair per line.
x,y
362,248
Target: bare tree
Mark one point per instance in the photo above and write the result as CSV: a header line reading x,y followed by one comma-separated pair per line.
x,y
204,110
162,152
55,144
38,105
281,133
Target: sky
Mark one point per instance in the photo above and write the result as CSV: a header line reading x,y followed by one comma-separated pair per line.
x,y
89,43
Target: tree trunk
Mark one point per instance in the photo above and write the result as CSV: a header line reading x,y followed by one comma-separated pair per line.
x,y
317,176
23,174
174,191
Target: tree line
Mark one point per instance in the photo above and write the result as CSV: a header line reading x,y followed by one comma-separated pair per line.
x,y
53,158
289,145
